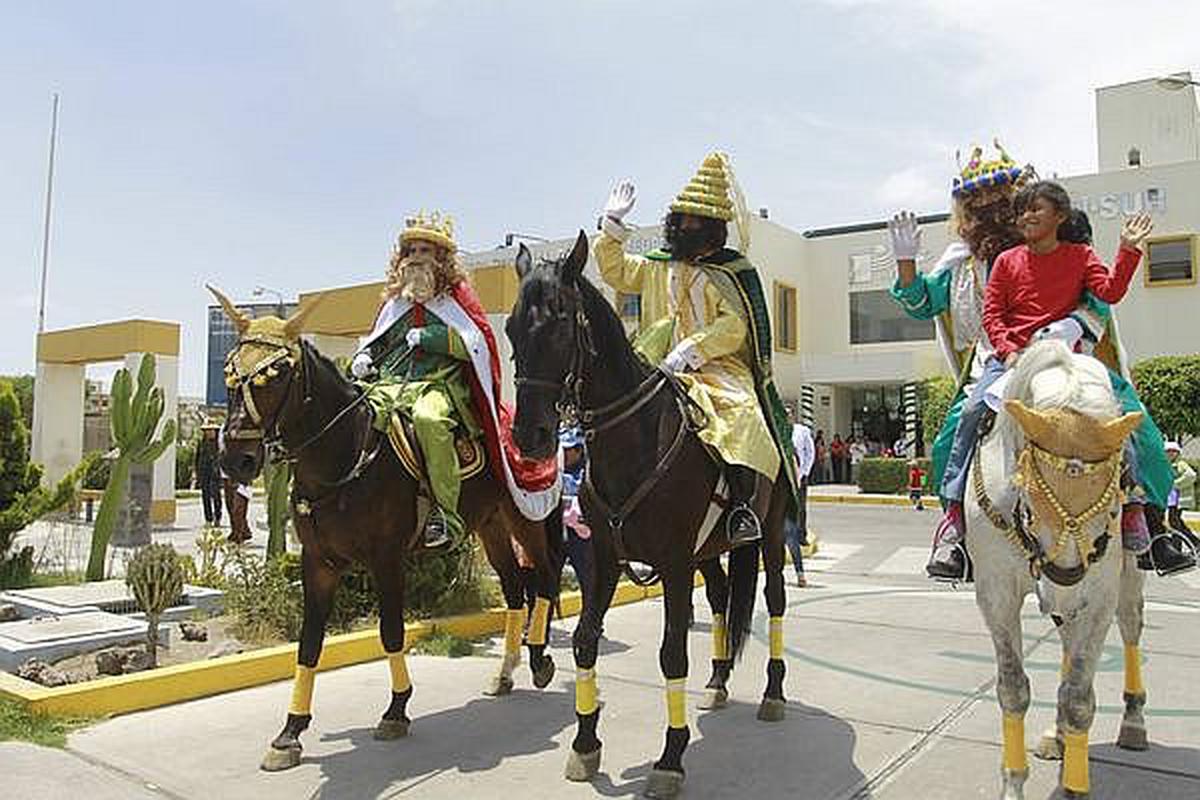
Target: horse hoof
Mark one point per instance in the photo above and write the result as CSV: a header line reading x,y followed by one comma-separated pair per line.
x,y
1014,784
771,709
663,784
543,676
1067,794
582,766
389,729
1050,747
713,699
1132,737
500,686
278,759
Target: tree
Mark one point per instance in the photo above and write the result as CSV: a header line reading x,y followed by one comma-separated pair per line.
x,y
22,498
935,395
22,386
134,418
1170,388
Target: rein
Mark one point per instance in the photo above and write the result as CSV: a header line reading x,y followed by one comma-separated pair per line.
x,y
1071,526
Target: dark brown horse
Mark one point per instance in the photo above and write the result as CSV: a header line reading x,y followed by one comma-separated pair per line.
x,y
650,483
354,502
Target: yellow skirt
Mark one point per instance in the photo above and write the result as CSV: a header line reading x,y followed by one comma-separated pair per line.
x,y
724,388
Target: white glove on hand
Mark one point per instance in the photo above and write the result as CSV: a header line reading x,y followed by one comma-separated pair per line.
x,y
679,359
413,337
906,236
620,200
1067,330
362,365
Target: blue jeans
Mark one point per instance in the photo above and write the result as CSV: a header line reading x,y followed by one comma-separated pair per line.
x,y
954,480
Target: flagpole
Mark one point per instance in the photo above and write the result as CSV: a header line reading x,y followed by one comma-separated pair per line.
x,y
46,224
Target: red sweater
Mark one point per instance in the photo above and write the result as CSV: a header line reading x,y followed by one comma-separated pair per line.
x,y
1026,291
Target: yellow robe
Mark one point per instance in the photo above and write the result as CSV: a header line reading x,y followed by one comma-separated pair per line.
x,y
678,300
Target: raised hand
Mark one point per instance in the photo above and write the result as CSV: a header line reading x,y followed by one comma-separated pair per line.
x,y
620,200
905,235
1135,229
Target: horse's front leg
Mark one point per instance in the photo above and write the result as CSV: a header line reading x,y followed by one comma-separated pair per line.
x,y
499,550
320,582
584,759
667,776
999,599
387,568
1130,619
1083,638
716,588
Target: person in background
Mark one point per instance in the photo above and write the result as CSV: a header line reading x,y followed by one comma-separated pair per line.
x,y
795,530
208,474
858,451
916,484
838,457
577,533
1183,493
818,468
237,500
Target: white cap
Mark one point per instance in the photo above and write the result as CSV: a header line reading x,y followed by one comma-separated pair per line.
x,y
1173,446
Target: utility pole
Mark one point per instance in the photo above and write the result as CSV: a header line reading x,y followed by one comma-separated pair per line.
x,y
46,225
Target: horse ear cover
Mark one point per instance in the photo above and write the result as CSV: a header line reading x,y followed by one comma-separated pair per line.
x,y
524,261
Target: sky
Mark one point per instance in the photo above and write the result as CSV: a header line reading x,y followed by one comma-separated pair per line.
x,y
281,143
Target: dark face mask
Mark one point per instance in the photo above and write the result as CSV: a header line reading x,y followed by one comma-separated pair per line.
x,y
687,244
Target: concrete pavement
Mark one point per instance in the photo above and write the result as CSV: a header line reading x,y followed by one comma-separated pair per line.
x,y
889,681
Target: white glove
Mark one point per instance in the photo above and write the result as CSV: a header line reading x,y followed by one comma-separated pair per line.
x,y
413,337
362,366
620,200
1067,330
682,357
906,236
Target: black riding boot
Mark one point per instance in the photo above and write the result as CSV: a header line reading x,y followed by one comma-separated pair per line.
x,y
1164,556
741,523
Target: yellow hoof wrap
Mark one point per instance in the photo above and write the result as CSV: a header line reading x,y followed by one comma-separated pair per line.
x,y
399,668
1075,762
719,652
514,626
776,632
1133,671
585,691
302,689
677,702
540,622
1014,742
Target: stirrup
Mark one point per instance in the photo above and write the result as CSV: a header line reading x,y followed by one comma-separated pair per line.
x,y
436,532
968,571
743,539
1188,550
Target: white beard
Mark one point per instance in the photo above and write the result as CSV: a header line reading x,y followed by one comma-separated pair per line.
x,y
417,281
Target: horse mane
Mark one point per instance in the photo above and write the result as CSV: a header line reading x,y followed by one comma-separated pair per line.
x,y
1084,387
326,372
608,332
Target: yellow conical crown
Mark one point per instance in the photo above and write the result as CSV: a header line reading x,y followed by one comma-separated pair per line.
x,y
436,227
707,194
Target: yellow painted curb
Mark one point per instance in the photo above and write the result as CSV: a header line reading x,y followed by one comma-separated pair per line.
x,y
143,690
862,499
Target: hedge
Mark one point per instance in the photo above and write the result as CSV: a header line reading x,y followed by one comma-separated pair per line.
x,y
889,475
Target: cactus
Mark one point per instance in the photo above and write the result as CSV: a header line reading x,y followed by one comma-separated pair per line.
x,y
134,416
155,576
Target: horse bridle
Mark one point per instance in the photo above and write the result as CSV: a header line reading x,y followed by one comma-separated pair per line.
x,y
1029,477
593,420
260,374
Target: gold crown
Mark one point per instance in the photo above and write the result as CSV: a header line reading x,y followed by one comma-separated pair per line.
x,y
707,194
980,174
435,227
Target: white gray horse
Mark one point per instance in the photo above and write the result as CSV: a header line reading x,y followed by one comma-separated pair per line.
x,y
1043,509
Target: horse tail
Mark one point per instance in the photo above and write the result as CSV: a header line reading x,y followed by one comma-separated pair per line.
x,y
743,586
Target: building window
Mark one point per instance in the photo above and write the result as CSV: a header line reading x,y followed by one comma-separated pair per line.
x,y
1171,260
785,317
629,306
875,317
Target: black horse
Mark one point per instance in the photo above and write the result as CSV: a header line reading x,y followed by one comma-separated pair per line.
x,y
353,501
650,481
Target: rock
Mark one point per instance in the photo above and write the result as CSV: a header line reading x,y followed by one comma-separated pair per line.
x,y
110,662
227,649
137,660
9,613
42,673
193,631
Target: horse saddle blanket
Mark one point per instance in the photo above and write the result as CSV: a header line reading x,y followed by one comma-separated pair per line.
x,y
472,457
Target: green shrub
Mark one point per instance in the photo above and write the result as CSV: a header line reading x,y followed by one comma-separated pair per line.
x,y
216,552
266,604
442,643
98,471
888,475
935,396
185,464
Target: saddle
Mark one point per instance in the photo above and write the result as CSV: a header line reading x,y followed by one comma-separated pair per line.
x,y
472,457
